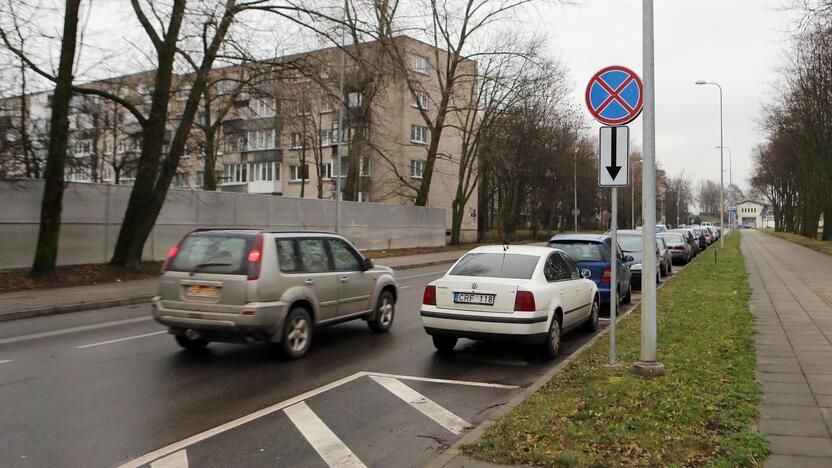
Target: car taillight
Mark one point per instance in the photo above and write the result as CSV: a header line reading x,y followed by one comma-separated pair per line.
x,y
429,298
606,277
255,255
679,247
173,251
524,302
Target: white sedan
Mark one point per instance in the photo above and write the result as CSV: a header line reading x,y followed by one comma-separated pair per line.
x,y
524,293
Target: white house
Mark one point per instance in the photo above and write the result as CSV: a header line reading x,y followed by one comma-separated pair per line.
x,y
751,213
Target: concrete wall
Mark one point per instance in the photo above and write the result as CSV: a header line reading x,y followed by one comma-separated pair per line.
x,y
92,216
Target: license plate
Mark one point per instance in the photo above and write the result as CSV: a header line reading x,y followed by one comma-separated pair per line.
x,y
467,298
198,290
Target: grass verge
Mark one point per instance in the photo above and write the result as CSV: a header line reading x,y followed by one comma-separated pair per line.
x,y
701,413
814,244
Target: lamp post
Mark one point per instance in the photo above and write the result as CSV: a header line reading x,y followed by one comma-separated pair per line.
x,y
341,125
575,183
731,218
721,168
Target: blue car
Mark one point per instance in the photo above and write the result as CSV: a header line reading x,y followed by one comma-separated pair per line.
x,y
592,252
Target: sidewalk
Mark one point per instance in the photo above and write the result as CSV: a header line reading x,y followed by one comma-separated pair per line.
x,y
36,303
792,305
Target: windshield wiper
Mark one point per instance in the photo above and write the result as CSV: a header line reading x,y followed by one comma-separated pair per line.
x,y
206,264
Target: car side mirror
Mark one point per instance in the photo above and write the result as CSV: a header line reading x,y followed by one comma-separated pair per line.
x,y
586,273
368,264
628,258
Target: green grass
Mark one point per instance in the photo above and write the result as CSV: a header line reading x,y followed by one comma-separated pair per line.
x,y
814,244
701,413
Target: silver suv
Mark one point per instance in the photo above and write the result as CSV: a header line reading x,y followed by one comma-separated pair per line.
x,y
245,286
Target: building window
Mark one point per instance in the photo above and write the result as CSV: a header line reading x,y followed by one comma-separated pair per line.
x,y
260,139
200,179
334,132
326,171
354,99
295,140
364,167
302,107
419,64
420,99
327,104
261,108
418,133
297,173
183,92
417,168
363,197
120,146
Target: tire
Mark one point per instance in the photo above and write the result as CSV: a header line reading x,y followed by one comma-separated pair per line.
x,y
669,268
551,347
384,314
662,269
297,333
629,297
444,343
189,344
592,323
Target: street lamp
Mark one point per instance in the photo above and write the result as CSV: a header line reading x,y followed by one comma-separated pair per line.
x,y
575,183
731,218
721,168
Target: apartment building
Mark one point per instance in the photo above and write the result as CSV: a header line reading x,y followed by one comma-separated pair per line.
x,y
279,130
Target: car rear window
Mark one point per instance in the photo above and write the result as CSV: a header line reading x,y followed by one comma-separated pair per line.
x,y
630,243
223,253
674,239
496,265
581,251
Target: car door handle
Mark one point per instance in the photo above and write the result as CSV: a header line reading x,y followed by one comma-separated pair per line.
x,y
344,279
310,281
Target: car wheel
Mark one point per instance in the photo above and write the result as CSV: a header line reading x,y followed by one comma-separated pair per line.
x,y
629,297
592,323
551,348
191,344
669,268
662,269
444,343
297,333
385,313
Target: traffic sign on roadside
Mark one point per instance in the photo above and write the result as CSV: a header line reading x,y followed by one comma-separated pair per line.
x,y
614,95
613,164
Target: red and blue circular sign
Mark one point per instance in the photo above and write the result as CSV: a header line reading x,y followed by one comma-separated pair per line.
x,y
614,95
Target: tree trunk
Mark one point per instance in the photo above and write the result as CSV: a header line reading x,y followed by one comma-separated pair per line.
x,y
457,212
46,252
209,174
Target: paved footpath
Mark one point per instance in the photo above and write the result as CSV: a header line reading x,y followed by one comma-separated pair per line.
x,y
792,305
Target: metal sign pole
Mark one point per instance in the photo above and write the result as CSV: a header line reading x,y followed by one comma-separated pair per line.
x,y
614,271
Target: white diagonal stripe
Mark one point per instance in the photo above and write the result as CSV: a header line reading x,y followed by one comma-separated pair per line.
x,y
117,340
175,460
426,406
334,452
5,361
443,381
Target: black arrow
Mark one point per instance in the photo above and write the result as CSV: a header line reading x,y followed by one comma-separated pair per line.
x,y
613,168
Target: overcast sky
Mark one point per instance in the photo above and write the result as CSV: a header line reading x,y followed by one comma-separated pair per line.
x,y
738,43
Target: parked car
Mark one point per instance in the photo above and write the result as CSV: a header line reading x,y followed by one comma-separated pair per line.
x,y
521,293
691,239
713,232
592,252
701,236
666,265
630,242
680,248
276,287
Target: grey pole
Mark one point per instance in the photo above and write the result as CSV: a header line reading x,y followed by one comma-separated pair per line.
x,y
721,167
648,366
730,186
575,203
341,113
614,271
633,197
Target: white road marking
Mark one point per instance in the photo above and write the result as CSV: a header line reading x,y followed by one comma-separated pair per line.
x,y
176,446
65,331
175,460
5,361
321,438
404,287
423,275
426,406
117,340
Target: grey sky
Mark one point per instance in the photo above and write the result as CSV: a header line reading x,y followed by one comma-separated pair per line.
x,y
737,43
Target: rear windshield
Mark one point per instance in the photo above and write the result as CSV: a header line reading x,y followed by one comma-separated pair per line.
x,y
581,251
223,253
673,239
630,243
496,265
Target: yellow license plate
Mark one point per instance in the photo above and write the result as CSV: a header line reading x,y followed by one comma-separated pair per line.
x,y
198,290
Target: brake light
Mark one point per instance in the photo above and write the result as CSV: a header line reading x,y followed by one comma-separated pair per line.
x,y
173,251
679,247
606,277
255,255
524,302
429,298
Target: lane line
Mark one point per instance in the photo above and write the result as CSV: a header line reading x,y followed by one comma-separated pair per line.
x,y
334,452
66,331
443,381
422,275
147,458
5,361
401,288
424,405
118,340
175,460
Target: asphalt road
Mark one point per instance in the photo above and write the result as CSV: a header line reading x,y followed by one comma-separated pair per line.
x,y
108,387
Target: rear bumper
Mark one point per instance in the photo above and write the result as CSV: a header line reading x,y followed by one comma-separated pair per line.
x,y
262,320
524,327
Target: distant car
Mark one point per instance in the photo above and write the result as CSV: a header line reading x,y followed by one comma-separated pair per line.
x,y
666,265
701,238
690,238
630,242
681,250
522,293
245,286
592,251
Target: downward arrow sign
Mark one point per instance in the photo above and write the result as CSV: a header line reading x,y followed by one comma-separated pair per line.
x,y
613,168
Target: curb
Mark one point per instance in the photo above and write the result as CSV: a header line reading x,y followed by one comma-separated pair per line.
x,y
140,299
